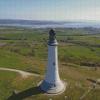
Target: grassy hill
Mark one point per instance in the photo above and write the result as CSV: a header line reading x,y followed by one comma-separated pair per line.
x,y
79,63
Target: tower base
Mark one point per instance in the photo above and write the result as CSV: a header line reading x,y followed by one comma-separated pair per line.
x,y
49,88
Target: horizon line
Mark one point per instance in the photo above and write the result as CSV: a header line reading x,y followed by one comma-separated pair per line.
x,y
80,20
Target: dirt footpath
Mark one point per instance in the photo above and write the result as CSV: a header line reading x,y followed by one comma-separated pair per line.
x,y
23,73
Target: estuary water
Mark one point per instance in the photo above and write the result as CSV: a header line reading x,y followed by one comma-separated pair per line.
x,y
67,25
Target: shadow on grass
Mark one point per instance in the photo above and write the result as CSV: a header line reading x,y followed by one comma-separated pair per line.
x,y
93,81
25,94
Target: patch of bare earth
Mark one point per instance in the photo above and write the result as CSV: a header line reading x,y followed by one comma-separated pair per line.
x,y
2,28
1,44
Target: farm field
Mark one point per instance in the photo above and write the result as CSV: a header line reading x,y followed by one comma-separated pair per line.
x,y
26,49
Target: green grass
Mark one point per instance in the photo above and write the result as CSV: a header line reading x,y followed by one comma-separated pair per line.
x,y
11,81
17,54
77,54
97,49
6,79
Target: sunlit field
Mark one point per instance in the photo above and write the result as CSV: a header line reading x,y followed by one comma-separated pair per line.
x,y
26,49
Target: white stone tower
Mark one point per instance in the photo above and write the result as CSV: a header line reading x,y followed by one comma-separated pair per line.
x,y
52,83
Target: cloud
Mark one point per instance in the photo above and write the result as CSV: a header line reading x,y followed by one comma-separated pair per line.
x,y
1,14
88,13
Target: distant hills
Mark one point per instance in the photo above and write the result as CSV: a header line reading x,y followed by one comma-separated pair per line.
x,y
31,22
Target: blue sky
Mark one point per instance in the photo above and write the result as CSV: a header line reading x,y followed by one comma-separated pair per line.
x,y
50,9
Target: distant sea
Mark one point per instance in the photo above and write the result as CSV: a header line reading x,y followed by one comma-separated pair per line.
x,y
67,25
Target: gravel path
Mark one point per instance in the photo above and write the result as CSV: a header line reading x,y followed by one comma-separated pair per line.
x,y
23,73
1,44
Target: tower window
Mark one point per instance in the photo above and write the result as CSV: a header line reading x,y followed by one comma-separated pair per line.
x,y
53,63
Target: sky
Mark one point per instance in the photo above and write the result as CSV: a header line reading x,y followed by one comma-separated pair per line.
x,y
63,10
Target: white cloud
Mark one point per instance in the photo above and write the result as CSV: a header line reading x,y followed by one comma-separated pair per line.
x,y
87,13
1,14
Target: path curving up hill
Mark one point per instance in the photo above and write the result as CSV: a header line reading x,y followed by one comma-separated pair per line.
x,y
23,73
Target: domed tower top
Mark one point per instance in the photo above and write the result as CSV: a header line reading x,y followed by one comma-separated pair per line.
x,y
52,38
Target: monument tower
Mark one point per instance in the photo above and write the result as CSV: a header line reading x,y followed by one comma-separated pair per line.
x,y
52,83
